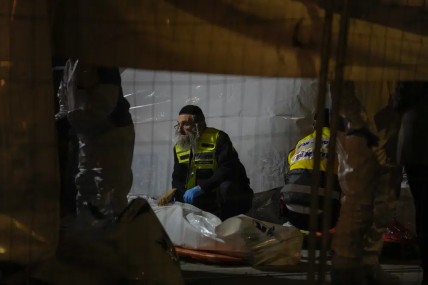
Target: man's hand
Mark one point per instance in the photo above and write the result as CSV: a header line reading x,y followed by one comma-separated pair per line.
x,y
167,197
191,194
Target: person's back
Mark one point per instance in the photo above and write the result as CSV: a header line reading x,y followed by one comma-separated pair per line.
x,y
296,194
411,100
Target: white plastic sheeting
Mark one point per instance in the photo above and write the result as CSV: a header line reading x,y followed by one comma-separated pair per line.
x,y
264,118
192,228
257,242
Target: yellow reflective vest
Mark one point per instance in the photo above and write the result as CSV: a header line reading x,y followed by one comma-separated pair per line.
x,y
297,190
302,157
203,159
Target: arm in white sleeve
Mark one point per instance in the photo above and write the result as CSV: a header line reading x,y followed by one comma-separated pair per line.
x,y
63,100
61,118
62,95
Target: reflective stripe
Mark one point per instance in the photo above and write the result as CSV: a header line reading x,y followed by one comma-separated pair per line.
x,y
204,155
207,145
301,209
210,162
290,188
184,157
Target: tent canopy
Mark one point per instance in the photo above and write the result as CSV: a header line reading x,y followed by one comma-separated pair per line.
x,y
258,37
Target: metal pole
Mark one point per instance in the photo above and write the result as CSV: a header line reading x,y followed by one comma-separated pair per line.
x,y
335,96
322,91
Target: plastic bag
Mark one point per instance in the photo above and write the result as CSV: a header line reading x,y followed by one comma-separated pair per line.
x,y
267,243
259,243
131,248
266,206
192,228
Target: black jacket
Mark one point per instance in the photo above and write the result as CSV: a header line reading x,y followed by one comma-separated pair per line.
x,y
229,168
411,100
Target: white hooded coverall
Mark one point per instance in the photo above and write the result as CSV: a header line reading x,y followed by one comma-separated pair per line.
x,y
88,95
369,177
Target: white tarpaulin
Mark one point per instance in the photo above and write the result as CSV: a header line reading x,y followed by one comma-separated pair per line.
x,y
264,118
257,242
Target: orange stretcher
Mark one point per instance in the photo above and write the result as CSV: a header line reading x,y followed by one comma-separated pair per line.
x,y
395,233
206,256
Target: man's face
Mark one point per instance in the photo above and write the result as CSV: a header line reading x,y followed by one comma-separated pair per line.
x,y
187,134
185,126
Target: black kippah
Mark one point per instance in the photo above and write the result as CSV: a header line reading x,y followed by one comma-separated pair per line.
x,y
192,110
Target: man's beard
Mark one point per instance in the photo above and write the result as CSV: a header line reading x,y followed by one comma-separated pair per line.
x,y
188,142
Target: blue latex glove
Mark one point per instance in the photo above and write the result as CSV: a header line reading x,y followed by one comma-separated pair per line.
x,y
372,139
191,194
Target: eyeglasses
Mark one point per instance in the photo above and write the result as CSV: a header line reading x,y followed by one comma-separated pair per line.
x,y
184,125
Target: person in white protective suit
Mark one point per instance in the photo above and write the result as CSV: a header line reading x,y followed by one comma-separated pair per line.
x,y
91,100
368,175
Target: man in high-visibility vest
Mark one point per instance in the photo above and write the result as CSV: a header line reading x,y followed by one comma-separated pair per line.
x,y
207,171
296,194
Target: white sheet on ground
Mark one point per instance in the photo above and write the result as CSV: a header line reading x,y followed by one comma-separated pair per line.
x,y
258,242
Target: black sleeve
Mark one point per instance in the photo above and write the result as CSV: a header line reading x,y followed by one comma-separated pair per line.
x,y
179,175
398,100
227,159
63,126
88,76
109,75
61,119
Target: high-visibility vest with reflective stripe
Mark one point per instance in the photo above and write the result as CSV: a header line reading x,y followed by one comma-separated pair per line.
x,y
302,157
297,191
203,158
